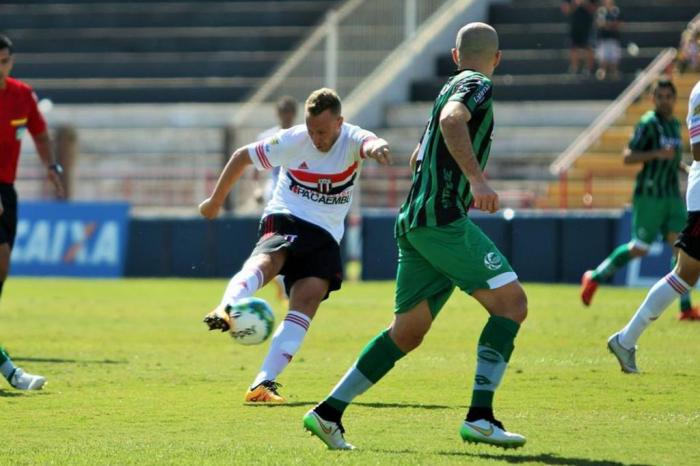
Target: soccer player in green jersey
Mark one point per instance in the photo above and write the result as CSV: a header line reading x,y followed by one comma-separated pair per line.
x,y
657,206
440,248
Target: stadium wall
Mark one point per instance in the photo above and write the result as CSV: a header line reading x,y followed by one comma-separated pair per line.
x,y
100,240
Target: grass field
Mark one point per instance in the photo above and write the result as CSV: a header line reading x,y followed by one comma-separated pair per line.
x,y
134,378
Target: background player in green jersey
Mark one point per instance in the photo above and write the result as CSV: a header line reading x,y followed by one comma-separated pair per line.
x,y
440,249
657,206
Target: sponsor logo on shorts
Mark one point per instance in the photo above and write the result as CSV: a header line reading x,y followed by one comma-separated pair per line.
x,y
493,261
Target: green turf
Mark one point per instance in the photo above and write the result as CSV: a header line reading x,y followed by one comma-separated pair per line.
x,y
134,378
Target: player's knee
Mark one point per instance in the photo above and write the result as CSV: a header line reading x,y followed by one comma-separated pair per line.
x,y
408,338
517,308
638,250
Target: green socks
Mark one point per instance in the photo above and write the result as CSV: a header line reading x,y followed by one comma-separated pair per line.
x,y
375,361
617,259
493,353
7,368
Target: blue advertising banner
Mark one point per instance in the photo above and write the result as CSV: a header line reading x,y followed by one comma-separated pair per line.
x,y
70,239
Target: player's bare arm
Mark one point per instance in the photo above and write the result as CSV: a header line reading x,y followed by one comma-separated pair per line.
x,y
634,156
42,142
414,157
453,124
378,149
233,170
684,167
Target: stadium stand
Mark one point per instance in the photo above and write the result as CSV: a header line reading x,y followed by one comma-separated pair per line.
x,y
75,51
540,107
598,179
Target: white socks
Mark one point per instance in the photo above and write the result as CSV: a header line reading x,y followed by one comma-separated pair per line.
x,y
660,296
285,343
243,285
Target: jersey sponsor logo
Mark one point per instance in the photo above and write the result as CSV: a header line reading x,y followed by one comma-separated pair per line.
x,y
492,261
479,97
668,141
448,189
321,198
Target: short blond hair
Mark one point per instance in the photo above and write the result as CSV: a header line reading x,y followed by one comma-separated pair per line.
x,y
321,100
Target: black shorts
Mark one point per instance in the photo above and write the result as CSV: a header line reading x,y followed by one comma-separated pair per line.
x,y
689,239
8,219
311,250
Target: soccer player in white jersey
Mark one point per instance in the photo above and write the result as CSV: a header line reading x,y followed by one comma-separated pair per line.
x,y
286,111
687,270
301,226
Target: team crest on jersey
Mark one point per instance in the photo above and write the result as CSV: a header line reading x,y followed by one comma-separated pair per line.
x,y
493,261
696,112
325,185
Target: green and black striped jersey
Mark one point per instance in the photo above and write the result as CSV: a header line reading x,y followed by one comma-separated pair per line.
x,y
439,191
658,178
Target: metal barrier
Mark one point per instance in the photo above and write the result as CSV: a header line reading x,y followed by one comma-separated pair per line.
x,y
616,109
352,41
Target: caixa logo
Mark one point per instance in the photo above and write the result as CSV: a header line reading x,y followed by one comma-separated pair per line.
x,y
82,239
67,242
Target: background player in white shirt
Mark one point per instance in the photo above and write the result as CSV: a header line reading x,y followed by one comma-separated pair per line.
x,y
684,276
286,111
301,226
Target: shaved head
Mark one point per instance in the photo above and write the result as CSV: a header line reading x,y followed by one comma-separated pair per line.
x,y
477,40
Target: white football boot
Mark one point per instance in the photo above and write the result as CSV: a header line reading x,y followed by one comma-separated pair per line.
x,y
626,357
24,381
331,433
490,432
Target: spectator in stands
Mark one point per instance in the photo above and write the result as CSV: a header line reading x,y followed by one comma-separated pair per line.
x,y
608,40
18,113
581,14
689,49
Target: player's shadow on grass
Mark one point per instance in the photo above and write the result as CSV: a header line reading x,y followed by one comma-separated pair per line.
x,y
69,361
294,404
9,393
406,405
544,458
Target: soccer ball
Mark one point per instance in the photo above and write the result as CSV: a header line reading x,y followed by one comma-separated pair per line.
x,y
251,321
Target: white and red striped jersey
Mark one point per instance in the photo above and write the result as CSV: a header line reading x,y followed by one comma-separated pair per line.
x,y
313,185
692,196
694,114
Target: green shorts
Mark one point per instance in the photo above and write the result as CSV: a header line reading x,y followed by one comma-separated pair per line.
x,y
652,216
433,260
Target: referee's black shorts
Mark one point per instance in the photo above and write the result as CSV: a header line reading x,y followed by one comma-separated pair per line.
x,y
8,219
311,250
